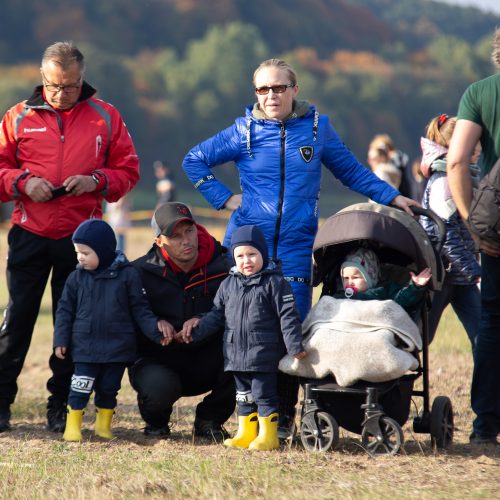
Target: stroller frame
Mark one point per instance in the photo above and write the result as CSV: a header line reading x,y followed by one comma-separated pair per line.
x,y
380,434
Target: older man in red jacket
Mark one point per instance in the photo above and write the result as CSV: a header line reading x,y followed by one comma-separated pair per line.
x,y
62,152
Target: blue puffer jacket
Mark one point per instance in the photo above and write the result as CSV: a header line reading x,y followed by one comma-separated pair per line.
x,y
261,323
458,252
279,165
96,313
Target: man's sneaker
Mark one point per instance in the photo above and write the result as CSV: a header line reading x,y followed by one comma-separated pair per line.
x,y
56,415
286,427
4,420
209,429
482,440
157,432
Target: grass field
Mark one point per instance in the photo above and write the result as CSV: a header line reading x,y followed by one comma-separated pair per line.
x,y
37,464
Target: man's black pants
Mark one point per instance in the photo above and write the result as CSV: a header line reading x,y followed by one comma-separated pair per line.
x,y
31,259
159,384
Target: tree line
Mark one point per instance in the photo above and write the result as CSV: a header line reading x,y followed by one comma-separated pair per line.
x,y
174,95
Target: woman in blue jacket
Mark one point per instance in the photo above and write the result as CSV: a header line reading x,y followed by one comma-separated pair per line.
x,y
278,147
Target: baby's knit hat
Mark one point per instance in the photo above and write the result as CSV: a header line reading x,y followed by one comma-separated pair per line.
x,y
99,236
253,236
366,261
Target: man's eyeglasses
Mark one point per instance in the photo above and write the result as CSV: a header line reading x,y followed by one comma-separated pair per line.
x,y
68,89
277,89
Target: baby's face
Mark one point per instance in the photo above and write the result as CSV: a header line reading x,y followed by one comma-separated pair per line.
x,y
352,278
248,260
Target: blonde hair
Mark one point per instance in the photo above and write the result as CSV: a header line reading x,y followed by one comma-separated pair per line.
x,y
440,129
280,64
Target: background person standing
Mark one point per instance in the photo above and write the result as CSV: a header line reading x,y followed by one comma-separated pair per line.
x,y
478,120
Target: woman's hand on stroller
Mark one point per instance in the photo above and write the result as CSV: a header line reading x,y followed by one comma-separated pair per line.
x,y
405,203
422,278
300,355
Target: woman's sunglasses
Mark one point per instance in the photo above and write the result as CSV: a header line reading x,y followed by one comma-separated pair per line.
x,y
277,89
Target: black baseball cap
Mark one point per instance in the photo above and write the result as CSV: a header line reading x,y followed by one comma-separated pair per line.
x,y
168,215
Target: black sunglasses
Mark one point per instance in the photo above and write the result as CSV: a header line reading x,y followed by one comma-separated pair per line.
x,y
277,89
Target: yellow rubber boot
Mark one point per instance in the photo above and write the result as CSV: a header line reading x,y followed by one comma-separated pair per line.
x,y
103,422
73,430
247,432
268,434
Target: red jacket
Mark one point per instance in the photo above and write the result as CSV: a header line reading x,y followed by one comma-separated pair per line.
x,y
34,142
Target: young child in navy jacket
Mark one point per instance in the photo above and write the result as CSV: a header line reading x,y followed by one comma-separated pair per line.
x,y
94,324
256,306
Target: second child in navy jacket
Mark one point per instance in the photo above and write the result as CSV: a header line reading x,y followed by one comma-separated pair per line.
x,y
101,302
256,307
97,313
259,318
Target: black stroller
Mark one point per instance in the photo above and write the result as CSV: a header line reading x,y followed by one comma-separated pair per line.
x,y
376,411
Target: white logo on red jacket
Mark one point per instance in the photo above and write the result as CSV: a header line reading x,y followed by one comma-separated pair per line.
x,y
41,129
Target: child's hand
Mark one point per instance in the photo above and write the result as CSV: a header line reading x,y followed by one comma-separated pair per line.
x,y
60,352
183,337
167,331
300,355
189,325
422,278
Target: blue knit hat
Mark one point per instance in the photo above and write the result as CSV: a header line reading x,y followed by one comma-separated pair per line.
x,y
99,236
253,236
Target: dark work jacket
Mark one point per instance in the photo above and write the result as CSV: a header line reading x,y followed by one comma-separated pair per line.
x,y
97,311
177,297
260,319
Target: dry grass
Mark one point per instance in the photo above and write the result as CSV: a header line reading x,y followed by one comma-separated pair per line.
x,y
37,464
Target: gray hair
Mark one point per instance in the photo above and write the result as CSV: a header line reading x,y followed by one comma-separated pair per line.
x,y
63,54
495,54
280,64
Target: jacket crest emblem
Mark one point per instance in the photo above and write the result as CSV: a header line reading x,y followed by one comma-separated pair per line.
x,y
307,153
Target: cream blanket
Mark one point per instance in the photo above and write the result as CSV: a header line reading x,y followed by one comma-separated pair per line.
x,y
356,340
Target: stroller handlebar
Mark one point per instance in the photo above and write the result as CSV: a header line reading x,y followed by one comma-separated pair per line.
x,y
437,220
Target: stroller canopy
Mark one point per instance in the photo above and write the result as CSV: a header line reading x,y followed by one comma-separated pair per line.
x,y
398,237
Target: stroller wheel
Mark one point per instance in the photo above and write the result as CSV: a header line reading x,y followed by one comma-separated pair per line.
x,y
319,431
442,422
382,436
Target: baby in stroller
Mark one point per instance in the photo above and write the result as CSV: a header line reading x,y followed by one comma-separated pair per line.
x,y
360,279
363,358
373,342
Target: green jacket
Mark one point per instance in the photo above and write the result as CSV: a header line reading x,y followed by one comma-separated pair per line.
x,y
409,297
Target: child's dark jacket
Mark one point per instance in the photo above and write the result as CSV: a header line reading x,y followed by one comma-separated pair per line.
x,y
96,314
260,319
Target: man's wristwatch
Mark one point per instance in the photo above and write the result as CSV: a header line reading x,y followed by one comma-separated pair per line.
x,y
95,178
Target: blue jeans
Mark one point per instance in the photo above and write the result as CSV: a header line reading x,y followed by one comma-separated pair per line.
x,y
104,379
466,302
256,391
485,392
